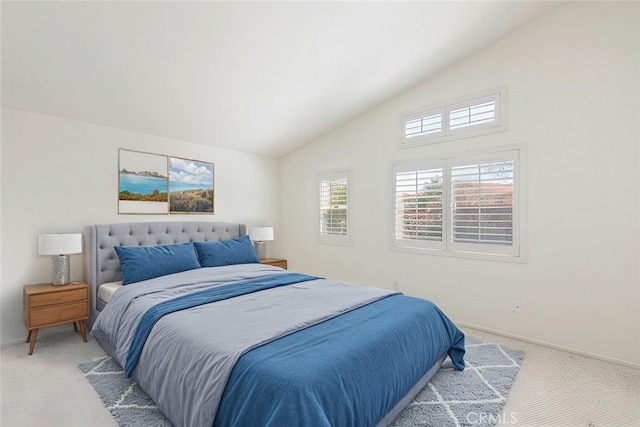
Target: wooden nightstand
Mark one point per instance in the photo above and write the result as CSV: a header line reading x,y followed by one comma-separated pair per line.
x,y
276,262
48,305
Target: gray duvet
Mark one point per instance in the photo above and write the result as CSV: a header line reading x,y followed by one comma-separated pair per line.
x,y
189,354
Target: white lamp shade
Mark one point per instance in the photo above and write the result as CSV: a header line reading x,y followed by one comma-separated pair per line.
x,y
60,244
261,234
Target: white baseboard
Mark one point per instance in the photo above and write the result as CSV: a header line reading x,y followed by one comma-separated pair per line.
x,y
550,345
44,332
11,342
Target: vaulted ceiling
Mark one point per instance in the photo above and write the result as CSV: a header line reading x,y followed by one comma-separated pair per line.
x,y
258,77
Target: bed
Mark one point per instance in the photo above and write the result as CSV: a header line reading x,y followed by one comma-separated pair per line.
x,y
226,340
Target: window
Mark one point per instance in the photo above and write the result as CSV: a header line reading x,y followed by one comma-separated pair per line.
x,y
334,216
418,205
463,205
426,125
473,113
482,113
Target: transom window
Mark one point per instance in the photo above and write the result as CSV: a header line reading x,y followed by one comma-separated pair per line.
x,y
478,114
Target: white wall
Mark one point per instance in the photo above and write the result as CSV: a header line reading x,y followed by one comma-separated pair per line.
x,y
572,77
60,175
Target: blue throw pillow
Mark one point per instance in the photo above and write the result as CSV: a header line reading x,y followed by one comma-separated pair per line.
x,y
226,252
146,262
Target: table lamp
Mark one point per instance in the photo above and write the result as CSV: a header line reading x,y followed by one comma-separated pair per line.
x,y
259,236
60,246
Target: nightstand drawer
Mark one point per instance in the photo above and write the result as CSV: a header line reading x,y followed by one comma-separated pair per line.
x,y
59,314
52,298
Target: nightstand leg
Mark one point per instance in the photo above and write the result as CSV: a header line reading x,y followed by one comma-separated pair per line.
x,y
33,341
29,336
83,330
75,327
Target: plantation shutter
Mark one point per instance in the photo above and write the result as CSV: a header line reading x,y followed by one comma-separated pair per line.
x,y
467,205
482,202
418,218
424,125
482,113
334,207
475,113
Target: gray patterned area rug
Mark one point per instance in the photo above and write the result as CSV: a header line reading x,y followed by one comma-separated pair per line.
x,y
473,397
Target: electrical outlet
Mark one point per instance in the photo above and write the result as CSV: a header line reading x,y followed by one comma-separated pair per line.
x,y
396,286
517,307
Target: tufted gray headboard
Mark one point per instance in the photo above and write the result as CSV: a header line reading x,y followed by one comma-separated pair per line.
x,y
102,264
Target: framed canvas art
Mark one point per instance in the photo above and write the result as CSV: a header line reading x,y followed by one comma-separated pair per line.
x,y
143,184
191,186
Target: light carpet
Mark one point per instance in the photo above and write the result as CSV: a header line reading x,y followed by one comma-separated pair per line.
x,y
473,397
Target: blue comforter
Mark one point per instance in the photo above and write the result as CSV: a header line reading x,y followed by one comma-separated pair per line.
x,y
348,371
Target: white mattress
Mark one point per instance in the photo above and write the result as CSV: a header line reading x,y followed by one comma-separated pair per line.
x,y
107,289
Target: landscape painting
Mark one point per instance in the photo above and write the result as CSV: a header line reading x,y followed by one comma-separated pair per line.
x,y
143,184
191,186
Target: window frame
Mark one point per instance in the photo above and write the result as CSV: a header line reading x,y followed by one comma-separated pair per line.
x,y
499,96
334,239
515,253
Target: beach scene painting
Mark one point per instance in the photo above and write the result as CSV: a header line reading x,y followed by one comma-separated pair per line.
x,y
191,186
143,184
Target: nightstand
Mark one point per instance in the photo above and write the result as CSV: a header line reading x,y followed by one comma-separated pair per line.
x,y
48,305
276,262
